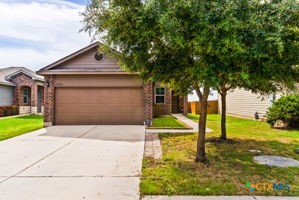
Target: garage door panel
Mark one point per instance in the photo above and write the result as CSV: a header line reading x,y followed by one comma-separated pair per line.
x,y
99,106
92,120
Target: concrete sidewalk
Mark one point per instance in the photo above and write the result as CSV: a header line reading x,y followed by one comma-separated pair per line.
x,y
218,198
185,120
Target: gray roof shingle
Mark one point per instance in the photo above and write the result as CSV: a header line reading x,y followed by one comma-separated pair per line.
x,y
6,73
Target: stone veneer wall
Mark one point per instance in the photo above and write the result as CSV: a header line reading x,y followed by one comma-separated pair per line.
x,y
24,110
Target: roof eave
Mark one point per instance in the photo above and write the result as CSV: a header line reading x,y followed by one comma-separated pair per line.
x,y
8,84
79,72
24,72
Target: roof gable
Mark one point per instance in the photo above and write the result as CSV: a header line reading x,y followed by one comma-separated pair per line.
x,y
83,61
7,73
8,77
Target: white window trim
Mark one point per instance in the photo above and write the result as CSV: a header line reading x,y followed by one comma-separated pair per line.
x,y
160,95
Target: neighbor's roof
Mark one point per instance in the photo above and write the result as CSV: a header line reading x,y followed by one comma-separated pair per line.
x,y
7,73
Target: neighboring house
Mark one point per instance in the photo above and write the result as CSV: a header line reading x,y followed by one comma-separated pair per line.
x,y
22,87
88,87
240,102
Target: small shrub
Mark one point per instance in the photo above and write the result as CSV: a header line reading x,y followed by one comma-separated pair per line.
x,y
158,110
8,110
286,110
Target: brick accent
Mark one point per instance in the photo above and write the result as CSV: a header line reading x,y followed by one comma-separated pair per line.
x,y
22,80
168,101
49,101
166,108
148,100
163,109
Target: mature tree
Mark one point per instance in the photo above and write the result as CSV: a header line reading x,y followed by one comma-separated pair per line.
x,y
253,42
178,42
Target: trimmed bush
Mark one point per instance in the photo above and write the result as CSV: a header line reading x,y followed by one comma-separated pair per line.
x,y
158,110
8,110
286,110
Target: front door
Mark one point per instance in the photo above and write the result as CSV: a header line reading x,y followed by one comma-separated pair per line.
x,y
175,102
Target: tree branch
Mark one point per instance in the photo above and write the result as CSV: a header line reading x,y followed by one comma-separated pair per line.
x,y
198,92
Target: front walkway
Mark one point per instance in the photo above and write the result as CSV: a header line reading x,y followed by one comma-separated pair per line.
x,y
152,148
73,163
14,116
184,119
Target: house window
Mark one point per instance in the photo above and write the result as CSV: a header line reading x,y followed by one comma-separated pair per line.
x,y
99,57
26,95
160,95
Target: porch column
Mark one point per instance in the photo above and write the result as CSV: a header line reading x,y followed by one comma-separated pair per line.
x,y
33,98
168,101
185,105
49,101
148,101
17,95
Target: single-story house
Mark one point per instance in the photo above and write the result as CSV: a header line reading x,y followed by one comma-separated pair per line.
x,y
243,103
88,87
21,87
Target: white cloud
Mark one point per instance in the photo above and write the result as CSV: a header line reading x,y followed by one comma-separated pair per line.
x,y
34,34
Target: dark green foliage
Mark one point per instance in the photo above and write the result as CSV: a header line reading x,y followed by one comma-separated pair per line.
x,y
285,109
193,44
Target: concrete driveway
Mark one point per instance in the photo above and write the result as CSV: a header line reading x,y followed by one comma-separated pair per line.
x,y
73,162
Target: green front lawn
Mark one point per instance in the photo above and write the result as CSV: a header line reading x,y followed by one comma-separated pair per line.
x,y
12,127
230,164
167,122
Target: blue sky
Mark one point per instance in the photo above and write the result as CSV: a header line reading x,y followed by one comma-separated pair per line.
x,y
35,33
82,2
78,1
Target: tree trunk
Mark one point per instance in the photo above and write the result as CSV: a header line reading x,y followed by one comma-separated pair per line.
x,y
201,152
223,114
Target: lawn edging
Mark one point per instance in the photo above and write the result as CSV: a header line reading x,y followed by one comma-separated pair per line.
x,y
171,128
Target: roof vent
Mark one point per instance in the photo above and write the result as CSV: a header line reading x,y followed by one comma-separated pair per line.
x,y
99,57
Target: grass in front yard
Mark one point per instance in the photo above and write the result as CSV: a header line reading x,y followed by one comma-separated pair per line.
x,y
230,164
12,127
167,122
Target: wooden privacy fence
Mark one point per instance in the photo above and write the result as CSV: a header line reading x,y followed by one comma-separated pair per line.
x,y
194,107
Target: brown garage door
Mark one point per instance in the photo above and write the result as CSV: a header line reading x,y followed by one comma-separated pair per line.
x,y
86,106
